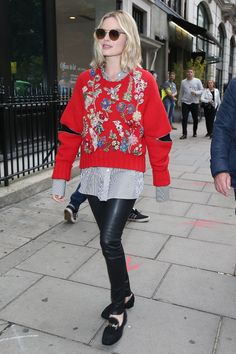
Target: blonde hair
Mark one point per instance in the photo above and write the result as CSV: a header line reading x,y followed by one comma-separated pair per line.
x,y
131,55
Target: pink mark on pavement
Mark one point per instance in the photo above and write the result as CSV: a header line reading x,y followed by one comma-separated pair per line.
x,y
202,223
199,183
129,265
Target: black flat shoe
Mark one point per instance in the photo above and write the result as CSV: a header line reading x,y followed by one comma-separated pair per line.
x,y
113,332
108,310
183,137
194,135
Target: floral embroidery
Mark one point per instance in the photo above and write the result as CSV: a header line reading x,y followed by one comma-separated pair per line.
x,y
130,108
113,91
125,138
106,105
121,107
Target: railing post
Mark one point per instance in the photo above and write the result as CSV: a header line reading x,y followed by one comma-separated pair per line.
x,y
3,131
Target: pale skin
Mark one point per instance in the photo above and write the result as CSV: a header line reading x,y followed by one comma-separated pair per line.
x,y
223,183
112,51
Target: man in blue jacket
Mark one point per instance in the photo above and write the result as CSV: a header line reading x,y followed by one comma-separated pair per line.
x,y
223,146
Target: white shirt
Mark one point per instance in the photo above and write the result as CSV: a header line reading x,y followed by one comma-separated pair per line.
x,y
186,89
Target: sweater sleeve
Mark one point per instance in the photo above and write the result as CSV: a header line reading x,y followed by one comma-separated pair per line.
x,y
157,126
69,135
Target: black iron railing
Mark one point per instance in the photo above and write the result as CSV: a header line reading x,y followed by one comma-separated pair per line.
x,y
28,131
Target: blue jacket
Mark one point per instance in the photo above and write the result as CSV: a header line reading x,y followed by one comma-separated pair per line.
x,y
223,146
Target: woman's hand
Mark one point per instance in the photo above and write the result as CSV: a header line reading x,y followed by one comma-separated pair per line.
x,y
58,198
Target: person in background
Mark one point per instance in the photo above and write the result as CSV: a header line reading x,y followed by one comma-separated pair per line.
x,y
115,113
223,144
168,95
77,198
189,96
211,102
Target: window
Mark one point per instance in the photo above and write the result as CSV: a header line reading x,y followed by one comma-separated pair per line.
x,y
139,16
202,21
174,4
219,66
27,55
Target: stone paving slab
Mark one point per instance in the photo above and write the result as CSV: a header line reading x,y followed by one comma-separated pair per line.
x,y
199,289
180,168
169,207
138,243
187,184
57,259
80,233
59,307
145,274
197,177
25,221
158,328
165,224
17,339
227,340
189,196
13,283
222,201
214,232
199,254
224,215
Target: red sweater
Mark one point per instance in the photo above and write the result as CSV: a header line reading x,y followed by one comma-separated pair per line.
x,y
117,121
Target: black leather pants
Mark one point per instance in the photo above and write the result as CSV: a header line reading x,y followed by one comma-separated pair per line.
x,y
111,217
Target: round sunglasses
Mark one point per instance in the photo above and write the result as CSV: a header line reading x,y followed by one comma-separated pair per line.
x,y
113,34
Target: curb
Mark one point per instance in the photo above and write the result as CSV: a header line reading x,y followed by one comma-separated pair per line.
x,y
28,186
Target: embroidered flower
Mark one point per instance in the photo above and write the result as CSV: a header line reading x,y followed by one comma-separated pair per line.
x,y
132,139
115,144
130,108
138,150
121,107
97,77
113,91
88,101
101,141
92,72
124,146
119,127
84,89
137,116
106,104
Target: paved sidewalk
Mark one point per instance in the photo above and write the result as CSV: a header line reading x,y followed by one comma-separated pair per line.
x,y
53,282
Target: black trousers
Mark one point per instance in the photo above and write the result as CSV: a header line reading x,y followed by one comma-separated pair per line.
x,y
111,217
193,108
209,114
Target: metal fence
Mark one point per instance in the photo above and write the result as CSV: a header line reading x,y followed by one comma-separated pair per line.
x,y
28,131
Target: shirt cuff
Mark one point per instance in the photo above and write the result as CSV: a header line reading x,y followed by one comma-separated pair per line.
x,y
162,194
59,187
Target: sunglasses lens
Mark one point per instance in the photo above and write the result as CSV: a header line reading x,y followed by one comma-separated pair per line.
x,y
114,35
100,33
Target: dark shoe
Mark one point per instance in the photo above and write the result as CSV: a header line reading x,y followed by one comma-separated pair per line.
x,y
113,332
136,216
183,137
108,310
194,135
69,214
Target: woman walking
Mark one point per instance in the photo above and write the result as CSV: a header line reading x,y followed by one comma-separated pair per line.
x,y
114,114
211,102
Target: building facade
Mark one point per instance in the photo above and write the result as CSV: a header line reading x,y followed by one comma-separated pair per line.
x,y
48,40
